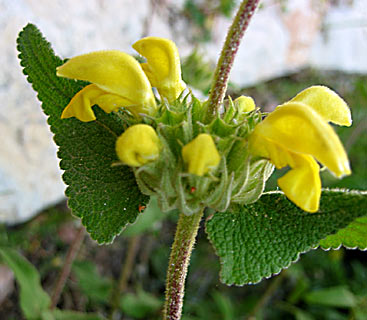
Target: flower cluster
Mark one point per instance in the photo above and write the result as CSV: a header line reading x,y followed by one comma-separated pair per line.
x,y
189,162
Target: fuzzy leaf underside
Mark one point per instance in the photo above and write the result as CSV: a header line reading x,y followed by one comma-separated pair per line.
x,y
258,240
106,198
354,236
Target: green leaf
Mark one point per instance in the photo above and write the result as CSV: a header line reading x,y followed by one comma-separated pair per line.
x,y
69,315
353,236
224,305
339,297
140,305
33,299
259,240
296,312
106,198
94,286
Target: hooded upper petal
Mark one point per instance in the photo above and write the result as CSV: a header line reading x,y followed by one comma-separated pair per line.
x,y
298,128
163,65
326,103
114,72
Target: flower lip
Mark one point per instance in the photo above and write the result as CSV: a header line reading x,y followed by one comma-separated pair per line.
x,y
113,71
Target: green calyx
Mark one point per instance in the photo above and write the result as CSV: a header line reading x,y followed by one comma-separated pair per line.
x,y
239,177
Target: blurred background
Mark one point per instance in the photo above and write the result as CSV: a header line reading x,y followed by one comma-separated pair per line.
x,y
290,45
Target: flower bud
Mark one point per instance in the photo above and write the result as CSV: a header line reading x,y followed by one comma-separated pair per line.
x,y
201,155
138,145
244,104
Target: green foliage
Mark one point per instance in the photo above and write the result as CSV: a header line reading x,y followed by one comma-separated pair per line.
x,y
259,240
224,304
201,16
197,72
227,6
353,236
33,299
198,18
68,315
327,285
140,305
98,289
217,305
106,198
339,297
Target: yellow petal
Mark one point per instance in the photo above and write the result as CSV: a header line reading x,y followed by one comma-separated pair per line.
x,y
138,145
80,106
302,184
111,102
244,104
269,149
163,65
114,72
201,155
326,103
298,128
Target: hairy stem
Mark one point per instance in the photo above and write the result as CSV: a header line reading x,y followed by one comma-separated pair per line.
x,y
186,232
65,271
229,51
125,274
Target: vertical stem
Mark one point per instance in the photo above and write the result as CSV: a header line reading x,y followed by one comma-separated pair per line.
x,y
187,229
65,271
229,51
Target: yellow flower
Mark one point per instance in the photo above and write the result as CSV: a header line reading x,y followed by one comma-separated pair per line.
x,y
118,80
138,145
163,66
201,155
295,134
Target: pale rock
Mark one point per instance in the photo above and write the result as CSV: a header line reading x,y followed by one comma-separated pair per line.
x,y
342,43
